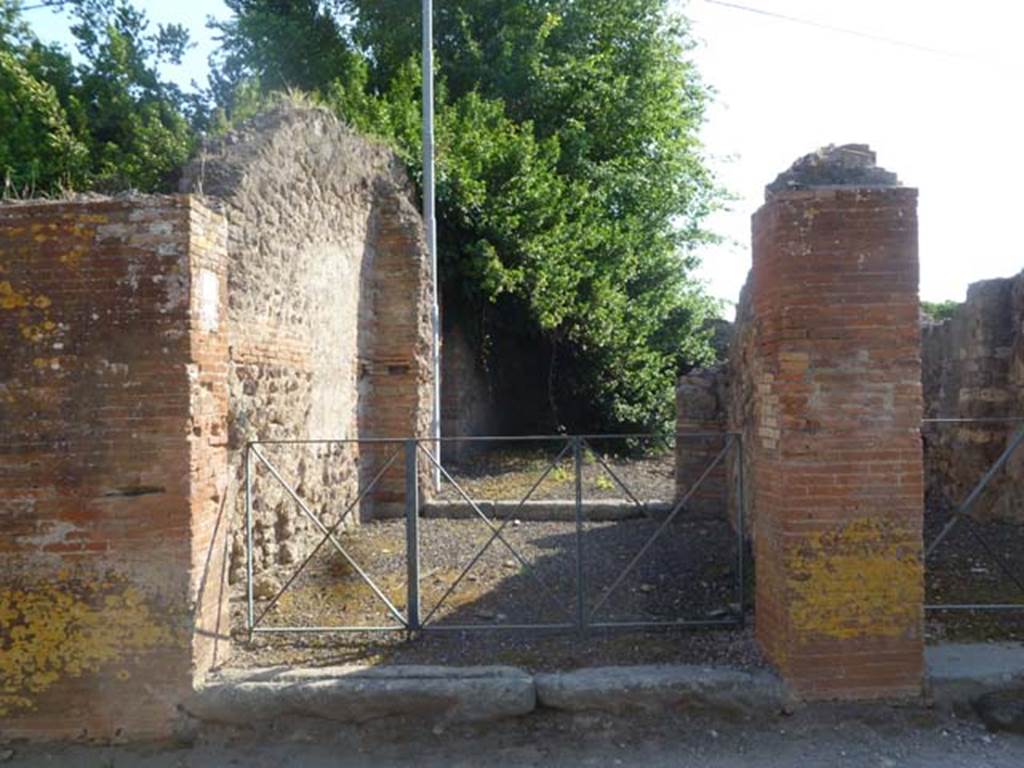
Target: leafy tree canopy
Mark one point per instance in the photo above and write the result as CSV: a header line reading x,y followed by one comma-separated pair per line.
x,y
571,182
108,122
939,310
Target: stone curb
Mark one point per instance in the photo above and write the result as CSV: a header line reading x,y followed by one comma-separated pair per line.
x,y
650,688
473,694
959,673
357,695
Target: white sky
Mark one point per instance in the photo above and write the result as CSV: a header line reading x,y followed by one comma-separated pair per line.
x,y
950,123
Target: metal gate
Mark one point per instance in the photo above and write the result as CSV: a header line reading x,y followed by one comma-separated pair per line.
x,y
577,587
960,547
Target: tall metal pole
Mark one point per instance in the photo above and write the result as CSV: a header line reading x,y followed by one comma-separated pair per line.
x,y
430,222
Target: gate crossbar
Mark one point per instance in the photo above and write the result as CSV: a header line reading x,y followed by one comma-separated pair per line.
x,y
496,532
962,513
661,528
579,618
328,535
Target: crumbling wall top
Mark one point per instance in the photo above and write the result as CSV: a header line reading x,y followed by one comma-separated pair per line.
x,y
845,165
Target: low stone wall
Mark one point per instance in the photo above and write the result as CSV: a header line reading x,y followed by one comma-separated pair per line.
x,y
700,415
113,400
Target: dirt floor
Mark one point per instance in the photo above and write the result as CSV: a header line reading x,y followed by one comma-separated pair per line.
x,y
978,562
642,469
528,576
823,736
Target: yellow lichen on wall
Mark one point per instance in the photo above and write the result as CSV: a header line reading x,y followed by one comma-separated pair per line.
x,y
861,580
10,298
67,628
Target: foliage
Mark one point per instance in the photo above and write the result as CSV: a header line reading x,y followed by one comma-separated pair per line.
x,y
109,122
939,310
571,184
37,147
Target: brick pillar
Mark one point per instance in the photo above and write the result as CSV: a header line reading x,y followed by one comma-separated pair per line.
x,y
113,400
836,448
400,396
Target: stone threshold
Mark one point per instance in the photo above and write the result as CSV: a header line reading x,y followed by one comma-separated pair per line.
x,y
475,694
958,675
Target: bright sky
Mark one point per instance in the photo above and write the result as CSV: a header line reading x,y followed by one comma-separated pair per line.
x,y
941,106
949,123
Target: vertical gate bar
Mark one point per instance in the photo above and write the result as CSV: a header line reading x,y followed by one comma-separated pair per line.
x,y
577,457
412,536
740,530
248,540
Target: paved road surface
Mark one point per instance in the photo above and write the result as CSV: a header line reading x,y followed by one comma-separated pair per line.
x,y
833,736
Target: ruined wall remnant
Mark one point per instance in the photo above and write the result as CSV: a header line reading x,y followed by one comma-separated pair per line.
x,y
824,382
113,400
146,341
329,326
701,416
468,406
974,369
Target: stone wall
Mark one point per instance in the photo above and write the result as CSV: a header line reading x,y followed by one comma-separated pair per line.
x,y
701,421
974,369
468,405
329,325
113,400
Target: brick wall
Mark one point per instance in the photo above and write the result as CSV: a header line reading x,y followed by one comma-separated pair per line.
x,y
835,449
113,401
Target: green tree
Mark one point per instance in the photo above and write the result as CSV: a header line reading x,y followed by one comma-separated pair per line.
x,y
38,150
939,310
109,122
571,182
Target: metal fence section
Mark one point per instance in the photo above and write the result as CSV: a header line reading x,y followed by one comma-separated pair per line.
x,y
537,534
972,559
255,457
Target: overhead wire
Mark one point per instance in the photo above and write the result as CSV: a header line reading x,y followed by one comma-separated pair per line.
x,y
834,28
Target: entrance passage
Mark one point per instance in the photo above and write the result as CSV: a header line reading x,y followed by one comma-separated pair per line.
x,y
567,534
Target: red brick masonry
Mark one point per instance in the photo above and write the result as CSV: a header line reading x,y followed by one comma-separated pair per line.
x,y
113,401
835,446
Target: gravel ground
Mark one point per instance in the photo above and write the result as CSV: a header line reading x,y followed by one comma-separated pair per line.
x,y
507,472
689,573
832,736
